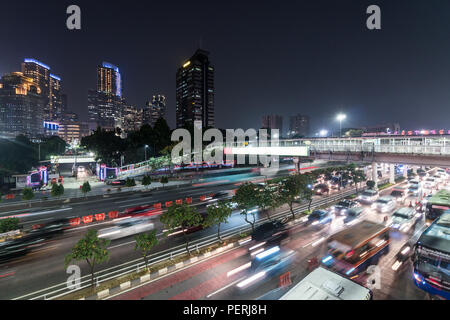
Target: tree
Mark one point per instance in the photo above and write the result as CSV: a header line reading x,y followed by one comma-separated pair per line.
x,y
217,214
57,190
358,176
18,156
162,134
164,180
290,191
27,194
146,181
130,182
90,248
370,184
85,188
107,145
246,198
266,199
9,224
145,242
181,216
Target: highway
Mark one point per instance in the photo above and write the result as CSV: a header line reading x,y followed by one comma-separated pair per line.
x,y
44,266
212,280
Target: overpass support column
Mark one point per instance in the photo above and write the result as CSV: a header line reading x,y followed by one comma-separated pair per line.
x,y
405,171
415,169
392,173
375,173
297,164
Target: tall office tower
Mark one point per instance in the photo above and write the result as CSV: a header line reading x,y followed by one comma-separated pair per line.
x,y
55,99
105,105
299,126
195,91
273,121
109,80
50,86
131,119
21,106
154,109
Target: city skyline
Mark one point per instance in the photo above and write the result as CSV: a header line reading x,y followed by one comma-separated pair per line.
x,y
364,74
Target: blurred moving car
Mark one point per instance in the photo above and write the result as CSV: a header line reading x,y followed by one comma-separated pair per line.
x,y
342,206
415,190
400,194
368,196
321,189
385,204
429,183
421,173
141,211
126,227
353,215
405,219
320,218
273,232
266,264
118,182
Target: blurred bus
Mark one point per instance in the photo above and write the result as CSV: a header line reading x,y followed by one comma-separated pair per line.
x,y
352,250
431,258
323,284
437,204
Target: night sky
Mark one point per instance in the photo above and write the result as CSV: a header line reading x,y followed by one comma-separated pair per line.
x,y
311,57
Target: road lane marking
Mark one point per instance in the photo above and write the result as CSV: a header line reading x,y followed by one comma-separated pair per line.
x,y
224,288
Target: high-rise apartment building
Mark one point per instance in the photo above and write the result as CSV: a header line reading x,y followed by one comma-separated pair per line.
x,y
273,121
298,126
21,106
195,91
154,109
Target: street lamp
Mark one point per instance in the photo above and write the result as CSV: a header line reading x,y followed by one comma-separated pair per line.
x,y
323,133
341,117
145,148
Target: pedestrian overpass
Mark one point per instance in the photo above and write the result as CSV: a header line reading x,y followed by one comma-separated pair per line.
x,y
414,150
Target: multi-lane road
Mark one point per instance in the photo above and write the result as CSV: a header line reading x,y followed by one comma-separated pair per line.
x,y
217,278
43,267
43,270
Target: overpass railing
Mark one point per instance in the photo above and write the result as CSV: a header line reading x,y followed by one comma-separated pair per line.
x,y
420,150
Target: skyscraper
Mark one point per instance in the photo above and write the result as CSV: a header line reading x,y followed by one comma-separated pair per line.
x,y
50,86
109,80
105,104
21,106
299,126
154,109
273,121
195,91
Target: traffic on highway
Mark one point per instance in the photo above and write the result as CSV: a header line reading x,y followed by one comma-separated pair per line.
x,y
369,236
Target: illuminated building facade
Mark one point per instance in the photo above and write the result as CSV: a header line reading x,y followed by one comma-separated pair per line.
x,y
154,109
195,91
109,80
105,104
72,131
50,86
131,119
21,106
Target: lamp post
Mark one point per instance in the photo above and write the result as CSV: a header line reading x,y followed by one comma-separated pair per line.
x,y
341,117
145,148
